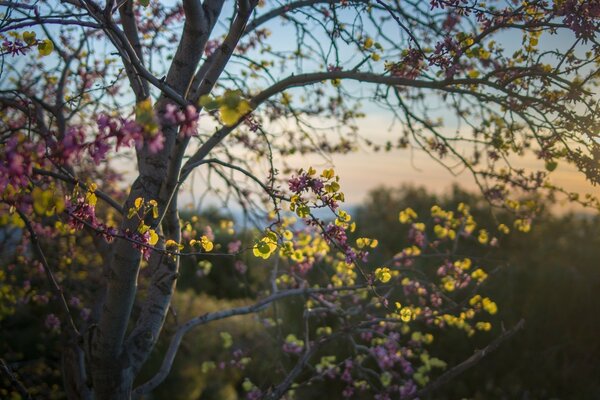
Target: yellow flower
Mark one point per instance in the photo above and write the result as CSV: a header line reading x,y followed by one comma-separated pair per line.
x,y
343,215
463,208
470,225
151,203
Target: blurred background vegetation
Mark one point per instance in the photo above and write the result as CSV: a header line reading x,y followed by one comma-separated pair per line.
x,y
549,276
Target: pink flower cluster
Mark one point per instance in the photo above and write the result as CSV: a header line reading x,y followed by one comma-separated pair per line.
x,y
127,133
81,212
187,119
15,48
17,157
583,17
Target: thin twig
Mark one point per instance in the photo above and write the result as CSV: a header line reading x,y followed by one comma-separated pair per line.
x,y
469,362
53,283
14,381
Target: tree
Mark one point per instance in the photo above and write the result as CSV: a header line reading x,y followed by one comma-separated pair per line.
x,y
206,86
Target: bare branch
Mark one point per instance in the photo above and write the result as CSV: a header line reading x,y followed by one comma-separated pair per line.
x,y
223,54
132,36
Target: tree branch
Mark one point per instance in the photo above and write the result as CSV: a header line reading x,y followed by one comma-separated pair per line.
x,y
167,363
468,363
132,37
68,179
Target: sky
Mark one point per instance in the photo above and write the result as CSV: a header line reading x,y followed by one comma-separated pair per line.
x,y
364,170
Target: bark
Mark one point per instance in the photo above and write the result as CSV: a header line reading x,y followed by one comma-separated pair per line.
x,y
115,360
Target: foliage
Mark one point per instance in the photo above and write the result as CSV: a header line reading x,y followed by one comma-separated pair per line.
x,y
548,276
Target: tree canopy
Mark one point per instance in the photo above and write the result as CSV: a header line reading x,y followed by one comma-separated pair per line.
x,y
109,108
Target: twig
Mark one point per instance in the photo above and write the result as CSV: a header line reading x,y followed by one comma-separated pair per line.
x,y
55,287
469,362
280,389
14,381
74,181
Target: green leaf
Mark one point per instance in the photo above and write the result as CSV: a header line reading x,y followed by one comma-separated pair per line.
x,y
551,165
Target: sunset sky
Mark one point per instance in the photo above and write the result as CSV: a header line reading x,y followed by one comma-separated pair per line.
x,y
365,169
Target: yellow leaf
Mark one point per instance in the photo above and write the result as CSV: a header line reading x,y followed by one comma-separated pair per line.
x,y
91,199
39,203
244,107
45,47
171,243
383,274
328,173
406,314
29,37
138,203
229,116
207,245
144,115
153,237
473,74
